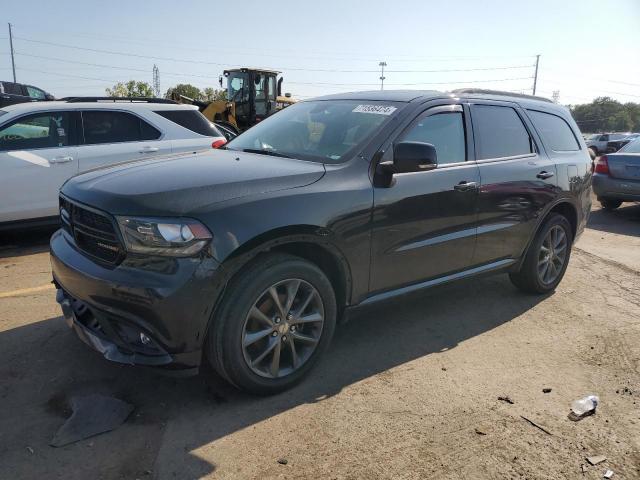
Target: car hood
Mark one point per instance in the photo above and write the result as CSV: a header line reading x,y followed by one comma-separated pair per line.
x,y
178,185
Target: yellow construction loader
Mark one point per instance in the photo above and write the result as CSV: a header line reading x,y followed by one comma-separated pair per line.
x,y
252,95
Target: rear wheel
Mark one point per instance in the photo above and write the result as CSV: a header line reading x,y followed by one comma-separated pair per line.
x,y
609,203
275,321
547,258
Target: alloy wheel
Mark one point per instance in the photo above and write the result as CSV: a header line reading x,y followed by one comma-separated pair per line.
x,y
553,254
283,328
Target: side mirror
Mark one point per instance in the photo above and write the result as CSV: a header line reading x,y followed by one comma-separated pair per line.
x,y
48,96
414,157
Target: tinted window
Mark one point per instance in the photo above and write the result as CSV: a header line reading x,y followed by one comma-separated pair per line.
x,y
555,132
114,127
445,131
192,120
35,93
631,147
12,88
40,130
499,132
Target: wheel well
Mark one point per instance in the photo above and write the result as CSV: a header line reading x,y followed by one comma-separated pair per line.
x,y
569,212
329,263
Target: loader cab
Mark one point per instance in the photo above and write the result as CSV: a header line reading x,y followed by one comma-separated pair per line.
x,y
254,93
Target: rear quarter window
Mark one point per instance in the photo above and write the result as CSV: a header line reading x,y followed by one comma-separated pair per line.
x,y
192,120
555,131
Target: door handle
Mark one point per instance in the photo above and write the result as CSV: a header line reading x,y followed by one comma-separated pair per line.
x,y
61,159
544,175
148,149
466,186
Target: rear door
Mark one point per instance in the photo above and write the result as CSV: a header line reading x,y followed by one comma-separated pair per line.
x,y
424,224
114,136
518,180
37,155
191,130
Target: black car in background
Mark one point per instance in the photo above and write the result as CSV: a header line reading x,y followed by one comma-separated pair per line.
x,y
248,256
615,145
11,93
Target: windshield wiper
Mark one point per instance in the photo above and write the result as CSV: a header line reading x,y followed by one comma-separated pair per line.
x,y
264,151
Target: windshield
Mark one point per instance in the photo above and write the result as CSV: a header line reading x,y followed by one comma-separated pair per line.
x,y
237,88
325,131
631,147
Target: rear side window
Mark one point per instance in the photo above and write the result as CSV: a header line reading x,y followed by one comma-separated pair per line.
x,y
102,126
445,131
35,92
555,131
499,132
40,130
192,120
12,88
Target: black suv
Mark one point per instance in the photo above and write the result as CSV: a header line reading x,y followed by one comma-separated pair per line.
x,y
248,256
12,93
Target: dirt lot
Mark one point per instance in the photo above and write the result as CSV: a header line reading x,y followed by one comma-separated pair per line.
x,y
409,389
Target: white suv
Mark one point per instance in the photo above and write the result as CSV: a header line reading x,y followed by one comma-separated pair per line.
x,y
43,144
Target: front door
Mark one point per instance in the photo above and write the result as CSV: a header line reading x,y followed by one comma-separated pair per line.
x,y
424,224
36,157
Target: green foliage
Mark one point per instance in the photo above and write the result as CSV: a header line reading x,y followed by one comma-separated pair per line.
x,y
607,115
131,88
207,95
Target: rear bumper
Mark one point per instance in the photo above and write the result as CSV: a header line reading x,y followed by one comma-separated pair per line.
x,y
152,311
605,186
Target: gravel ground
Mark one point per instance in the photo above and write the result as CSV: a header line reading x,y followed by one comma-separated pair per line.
x,y
408,390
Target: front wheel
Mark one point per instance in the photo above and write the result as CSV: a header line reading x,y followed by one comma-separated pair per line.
x,y
610,204
276,319
547,258
593,153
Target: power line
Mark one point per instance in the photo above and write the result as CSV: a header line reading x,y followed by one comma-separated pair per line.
x,y
457,82
172,59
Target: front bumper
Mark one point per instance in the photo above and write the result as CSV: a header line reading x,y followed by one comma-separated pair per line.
x,y
144,311
605,186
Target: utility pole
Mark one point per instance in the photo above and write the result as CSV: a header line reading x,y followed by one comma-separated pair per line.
x,y
382,65
13,62
556,96
156,81
535,75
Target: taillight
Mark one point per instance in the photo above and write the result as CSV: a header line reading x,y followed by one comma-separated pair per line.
x,y
218,143
602,165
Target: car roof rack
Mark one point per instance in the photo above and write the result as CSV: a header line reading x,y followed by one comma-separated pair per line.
x,y
118,99
499,92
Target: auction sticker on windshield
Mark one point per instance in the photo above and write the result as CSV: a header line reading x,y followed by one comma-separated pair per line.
x,y
377,109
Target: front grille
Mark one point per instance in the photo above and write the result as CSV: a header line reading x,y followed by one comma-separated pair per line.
x,y
95,233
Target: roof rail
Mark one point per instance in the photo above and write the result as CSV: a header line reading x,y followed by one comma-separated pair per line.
x,y
499,92
118,99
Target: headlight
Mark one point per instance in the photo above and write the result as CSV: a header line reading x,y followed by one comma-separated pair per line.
x,y
163,236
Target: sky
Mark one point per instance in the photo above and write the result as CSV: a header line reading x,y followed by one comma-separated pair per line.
x,y
587,48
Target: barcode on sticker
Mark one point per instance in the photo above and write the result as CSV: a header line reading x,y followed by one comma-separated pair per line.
x,y
377,109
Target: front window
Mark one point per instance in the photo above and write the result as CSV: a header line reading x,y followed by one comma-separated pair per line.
x,y
40,130
631,147
324,131
238,87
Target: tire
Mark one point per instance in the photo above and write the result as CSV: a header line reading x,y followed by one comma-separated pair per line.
x,y
610,203
240,335
532,277
593,153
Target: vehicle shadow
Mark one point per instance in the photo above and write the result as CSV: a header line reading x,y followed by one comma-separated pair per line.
x,y
42,365
624,220
28,242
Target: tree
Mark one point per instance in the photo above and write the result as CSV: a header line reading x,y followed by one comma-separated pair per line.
x,y
131,88
606,114
185,89
211,94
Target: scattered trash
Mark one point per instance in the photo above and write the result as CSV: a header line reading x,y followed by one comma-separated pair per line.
x,y
506,399
546,390
583,407
92,415
536,425
480,432
283,461
30,450
595,460
608,474
583,467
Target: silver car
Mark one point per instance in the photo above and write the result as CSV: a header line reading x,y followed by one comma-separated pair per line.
x,y
616,177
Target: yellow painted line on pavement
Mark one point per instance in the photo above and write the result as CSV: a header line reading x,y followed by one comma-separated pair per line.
x,y
27,291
